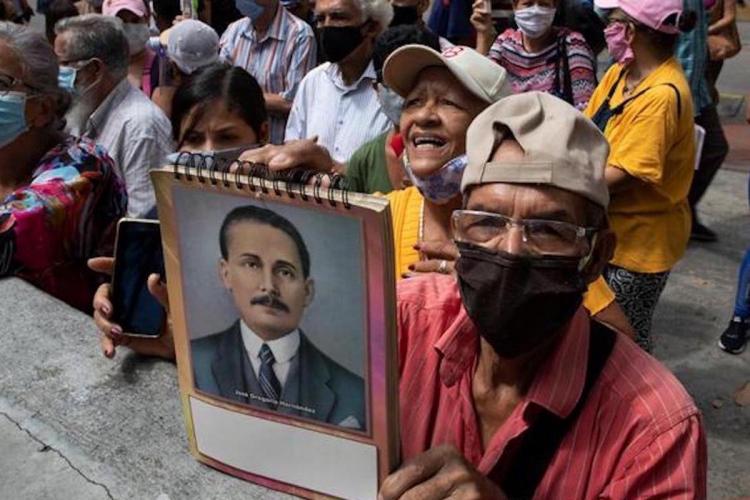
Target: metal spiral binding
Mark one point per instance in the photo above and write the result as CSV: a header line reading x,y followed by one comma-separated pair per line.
x,y
225,174
289,186
199,170
237,175
275,182
260,178
316,188
211,171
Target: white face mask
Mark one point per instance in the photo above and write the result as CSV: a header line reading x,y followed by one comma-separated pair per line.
x,y
535,21
137,35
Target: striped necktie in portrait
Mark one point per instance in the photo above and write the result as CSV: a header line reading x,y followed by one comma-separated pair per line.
x,y
266,377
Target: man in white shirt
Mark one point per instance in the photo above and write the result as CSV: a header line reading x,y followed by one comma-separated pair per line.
x,y
336,101
263,359
107,109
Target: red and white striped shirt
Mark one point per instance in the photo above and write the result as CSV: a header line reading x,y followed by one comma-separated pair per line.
x,y
639,434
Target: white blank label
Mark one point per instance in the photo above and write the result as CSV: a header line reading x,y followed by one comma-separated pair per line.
x,y
312,460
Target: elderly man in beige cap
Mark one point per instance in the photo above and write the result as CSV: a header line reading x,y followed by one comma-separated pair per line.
x,y
507,387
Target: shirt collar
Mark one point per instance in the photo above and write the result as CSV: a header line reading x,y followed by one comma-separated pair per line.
x,y
559,383
283,348
100,115
334,73
277,28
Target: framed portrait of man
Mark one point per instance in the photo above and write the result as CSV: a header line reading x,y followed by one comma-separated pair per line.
x,y
284,325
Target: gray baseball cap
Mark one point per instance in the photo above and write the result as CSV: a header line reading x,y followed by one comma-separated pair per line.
x,y
562,147
191,44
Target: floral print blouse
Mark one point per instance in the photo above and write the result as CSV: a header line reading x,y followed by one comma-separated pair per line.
x,y
66,215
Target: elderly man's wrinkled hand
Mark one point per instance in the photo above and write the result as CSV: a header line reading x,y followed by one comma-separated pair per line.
x,y
293,154
438,473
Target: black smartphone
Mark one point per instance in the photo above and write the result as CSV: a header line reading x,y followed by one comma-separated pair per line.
x,y
138,253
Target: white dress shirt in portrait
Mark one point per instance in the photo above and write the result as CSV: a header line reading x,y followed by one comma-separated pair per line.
x,y
283,349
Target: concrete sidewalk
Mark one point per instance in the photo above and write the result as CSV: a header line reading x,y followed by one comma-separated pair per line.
x,y
694,310
75,425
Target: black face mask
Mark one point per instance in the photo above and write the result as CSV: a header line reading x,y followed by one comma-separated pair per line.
x,y
337,42
518,303
404,15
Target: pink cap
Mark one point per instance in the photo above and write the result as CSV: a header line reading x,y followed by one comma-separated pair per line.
x,y
651,13
112,7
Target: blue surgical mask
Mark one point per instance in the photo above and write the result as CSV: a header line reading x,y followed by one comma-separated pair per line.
x,y
66,79
249,8
391,103
12,117
442,185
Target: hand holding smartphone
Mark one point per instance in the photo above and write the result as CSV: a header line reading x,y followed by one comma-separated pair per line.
x,y
138,253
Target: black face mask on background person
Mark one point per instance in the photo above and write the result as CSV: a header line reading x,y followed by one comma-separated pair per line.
x,y
337,42
404,15
517,303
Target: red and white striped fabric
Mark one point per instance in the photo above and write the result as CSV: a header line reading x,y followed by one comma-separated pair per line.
x,y
639,434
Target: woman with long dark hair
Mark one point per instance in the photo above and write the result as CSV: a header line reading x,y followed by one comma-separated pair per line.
x,y
218,107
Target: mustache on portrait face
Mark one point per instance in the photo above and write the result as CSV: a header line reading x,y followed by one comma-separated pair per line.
x,y
269,301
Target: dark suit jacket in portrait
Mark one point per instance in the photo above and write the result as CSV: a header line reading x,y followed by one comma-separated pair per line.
x,y
316,387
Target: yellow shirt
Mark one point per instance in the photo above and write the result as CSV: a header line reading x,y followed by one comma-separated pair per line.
x,y
652,142
406,210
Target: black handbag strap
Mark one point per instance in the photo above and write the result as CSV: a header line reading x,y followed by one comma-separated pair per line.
x,y
564,90
618,109
543,438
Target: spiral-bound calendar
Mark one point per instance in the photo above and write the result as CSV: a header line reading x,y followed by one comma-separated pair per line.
x,y
282,300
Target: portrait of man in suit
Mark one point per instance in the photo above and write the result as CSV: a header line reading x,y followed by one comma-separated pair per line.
x,y
263,358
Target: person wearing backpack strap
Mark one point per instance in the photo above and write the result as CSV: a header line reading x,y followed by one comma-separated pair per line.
x,y
538,55
644,108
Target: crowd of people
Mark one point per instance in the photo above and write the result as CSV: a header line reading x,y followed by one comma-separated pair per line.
x,y
537,204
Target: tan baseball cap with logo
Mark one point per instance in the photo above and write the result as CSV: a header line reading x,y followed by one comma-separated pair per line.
x,y
562,147
481,76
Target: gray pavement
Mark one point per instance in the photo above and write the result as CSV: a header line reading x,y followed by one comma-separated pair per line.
x,y
692,313
74,425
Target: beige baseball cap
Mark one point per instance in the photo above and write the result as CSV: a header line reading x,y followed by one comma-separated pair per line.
x,y
562,147
481,76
